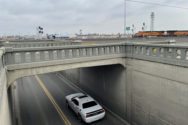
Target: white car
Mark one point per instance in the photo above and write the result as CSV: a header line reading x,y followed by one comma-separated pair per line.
x,y
85,107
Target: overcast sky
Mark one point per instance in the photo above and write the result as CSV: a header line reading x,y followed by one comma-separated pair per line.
x,y
92,16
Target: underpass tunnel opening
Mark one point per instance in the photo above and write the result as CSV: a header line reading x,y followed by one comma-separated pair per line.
x,y
107,84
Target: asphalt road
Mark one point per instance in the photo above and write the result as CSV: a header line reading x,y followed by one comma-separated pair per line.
x,y
41,101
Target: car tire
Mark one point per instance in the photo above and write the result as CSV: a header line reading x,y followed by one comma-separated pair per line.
x,y
79,117
67,105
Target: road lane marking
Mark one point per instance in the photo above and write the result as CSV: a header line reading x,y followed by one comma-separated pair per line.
x,y
60,112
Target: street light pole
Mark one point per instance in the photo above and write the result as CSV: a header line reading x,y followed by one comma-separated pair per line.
x,y
124,17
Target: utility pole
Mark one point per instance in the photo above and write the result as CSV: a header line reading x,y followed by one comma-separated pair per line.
x,y
125,17
152,21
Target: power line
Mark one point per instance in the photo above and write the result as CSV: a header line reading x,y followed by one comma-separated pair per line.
x,y
158,4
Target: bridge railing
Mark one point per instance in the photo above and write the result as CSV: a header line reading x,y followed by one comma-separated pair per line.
x,y
41,54
169,54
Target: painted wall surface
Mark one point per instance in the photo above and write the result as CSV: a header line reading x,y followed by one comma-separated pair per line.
x,y
142,93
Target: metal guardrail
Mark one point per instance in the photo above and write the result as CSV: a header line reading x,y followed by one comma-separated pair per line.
x,y
169,54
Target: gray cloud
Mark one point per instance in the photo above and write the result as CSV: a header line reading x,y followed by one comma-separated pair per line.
x,y
103,16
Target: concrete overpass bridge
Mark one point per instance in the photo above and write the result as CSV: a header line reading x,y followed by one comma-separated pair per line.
x,y
26,60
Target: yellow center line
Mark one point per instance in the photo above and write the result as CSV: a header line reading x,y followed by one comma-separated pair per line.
x,y
60,112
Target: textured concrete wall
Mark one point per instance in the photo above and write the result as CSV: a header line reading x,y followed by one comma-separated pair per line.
x,y
159,94
108,90
143,93
5,116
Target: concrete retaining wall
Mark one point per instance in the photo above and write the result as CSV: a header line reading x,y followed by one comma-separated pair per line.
x,y
159,94
5,116
143,93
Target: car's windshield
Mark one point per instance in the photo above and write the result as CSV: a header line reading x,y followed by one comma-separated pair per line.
x,y
89,104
